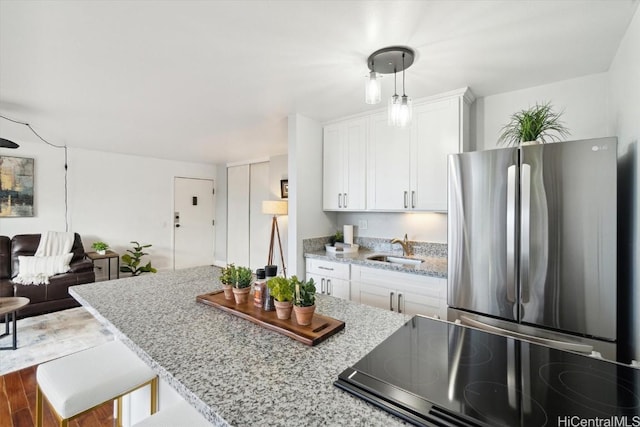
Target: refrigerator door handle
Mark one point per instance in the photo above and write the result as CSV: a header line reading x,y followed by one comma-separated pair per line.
x,y
525,230
511,233
562,345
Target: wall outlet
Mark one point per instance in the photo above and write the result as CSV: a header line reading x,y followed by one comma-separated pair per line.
x,y
362,224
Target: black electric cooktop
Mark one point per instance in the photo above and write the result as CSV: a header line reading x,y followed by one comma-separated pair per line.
x,y
431,372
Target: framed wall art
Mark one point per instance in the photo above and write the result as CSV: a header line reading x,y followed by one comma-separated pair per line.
x,y
16,187
284,188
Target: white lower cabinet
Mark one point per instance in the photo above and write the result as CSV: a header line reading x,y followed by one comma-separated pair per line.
x,y
402,292
331,278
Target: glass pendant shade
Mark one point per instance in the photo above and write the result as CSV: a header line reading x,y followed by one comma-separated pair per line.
x,y
406,112
393,112
372,89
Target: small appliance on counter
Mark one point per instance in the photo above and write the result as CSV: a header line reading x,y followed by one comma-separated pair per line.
x,y
432,372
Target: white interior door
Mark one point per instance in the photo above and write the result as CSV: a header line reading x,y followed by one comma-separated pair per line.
x,y
193,226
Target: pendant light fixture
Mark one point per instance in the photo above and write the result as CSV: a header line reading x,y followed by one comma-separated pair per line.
x,y
386,61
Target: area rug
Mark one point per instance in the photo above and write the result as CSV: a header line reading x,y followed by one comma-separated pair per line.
x,y
49,336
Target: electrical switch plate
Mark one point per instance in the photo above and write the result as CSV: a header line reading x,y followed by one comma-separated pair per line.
x,y
362,224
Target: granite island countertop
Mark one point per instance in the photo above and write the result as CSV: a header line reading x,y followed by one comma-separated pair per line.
x,y
233,371
431,266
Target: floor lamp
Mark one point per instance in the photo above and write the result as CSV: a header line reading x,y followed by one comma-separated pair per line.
x,y
275,208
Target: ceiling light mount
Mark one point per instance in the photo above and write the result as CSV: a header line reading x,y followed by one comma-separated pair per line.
x,y
389,60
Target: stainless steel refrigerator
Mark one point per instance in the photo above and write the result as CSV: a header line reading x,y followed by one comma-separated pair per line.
x,y
532,243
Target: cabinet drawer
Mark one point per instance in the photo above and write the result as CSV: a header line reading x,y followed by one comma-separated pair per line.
x,y
336,270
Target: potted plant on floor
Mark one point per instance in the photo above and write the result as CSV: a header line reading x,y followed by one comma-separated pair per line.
x,y
227,278
133,259
100,247
538,124
281,289
242,284
304,301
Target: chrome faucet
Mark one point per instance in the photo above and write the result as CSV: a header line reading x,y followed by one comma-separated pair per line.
x,y
406,248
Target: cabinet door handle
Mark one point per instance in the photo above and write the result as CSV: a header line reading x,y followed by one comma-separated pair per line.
x,y
339,200
405,200
391,301
325,268
345,200
413,199
329,287
322,285
399,306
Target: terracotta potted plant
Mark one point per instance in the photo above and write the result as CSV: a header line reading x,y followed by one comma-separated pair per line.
x,y
242,284
536,125
281,289
304,300
227,278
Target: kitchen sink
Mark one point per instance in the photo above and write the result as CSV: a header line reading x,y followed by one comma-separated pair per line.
x,y
395,259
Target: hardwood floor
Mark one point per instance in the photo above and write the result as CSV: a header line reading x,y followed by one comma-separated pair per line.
x,y
18,404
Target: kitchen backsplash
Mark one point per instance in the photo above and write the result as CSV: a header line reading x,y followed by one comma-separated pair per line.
x,y
375,244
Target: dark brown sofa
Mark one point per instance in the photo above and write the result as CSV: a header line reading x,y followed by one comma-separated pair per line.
x,y
44,298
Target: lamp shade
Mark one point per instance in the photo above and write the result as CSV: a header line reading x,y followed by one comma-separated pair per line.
x,y
275,207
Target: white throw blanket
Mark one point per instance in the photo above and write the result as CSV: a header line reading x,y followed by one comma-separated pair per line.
x,y
52,257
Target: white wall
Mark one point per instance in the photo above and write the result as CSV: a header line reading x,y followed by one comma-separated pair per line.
x,y
584,101
306,217
115,198
624,81
278,170
421,227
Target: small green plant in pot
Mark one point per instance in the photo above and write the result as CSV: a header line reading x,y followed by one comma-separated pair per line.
x,y
536,124
336,238
304,302
242,284
282,290
133,259
100,247
227,278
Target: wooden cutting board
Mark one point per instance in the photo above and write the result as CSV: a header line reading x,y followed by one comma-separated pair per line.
x,y
321,327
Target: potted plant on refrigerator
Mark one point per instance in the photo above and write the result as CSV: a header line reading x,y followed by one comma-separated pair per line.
x,y
537,125
304,303
242,284
282,289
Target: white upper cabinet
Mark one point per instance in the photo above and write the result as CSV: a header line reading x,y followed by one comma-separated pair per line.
x,y
408,167
435,134
389,165
396,169
344,165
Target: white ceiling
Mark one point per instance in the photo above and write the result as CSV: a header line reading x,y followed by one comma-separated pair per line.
x,y
214,81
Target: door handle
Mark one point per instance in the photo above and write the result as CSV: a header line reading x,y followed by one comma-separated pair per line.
x,y
345,200
399,306
322,285
525,230
511,233
329,287
391,301
339,200
413,199
406,203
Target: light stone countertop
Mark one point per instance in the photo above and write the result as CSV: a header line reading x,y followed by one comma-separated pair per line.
x,y
432,266
233,371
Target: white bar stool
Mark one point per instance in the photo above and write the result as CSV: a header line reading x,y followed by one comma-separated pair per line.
x,y
79,382
179,414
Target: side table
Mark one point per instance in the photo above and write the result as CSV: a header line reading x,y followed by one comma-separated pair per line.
x,y
10,305
94,256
